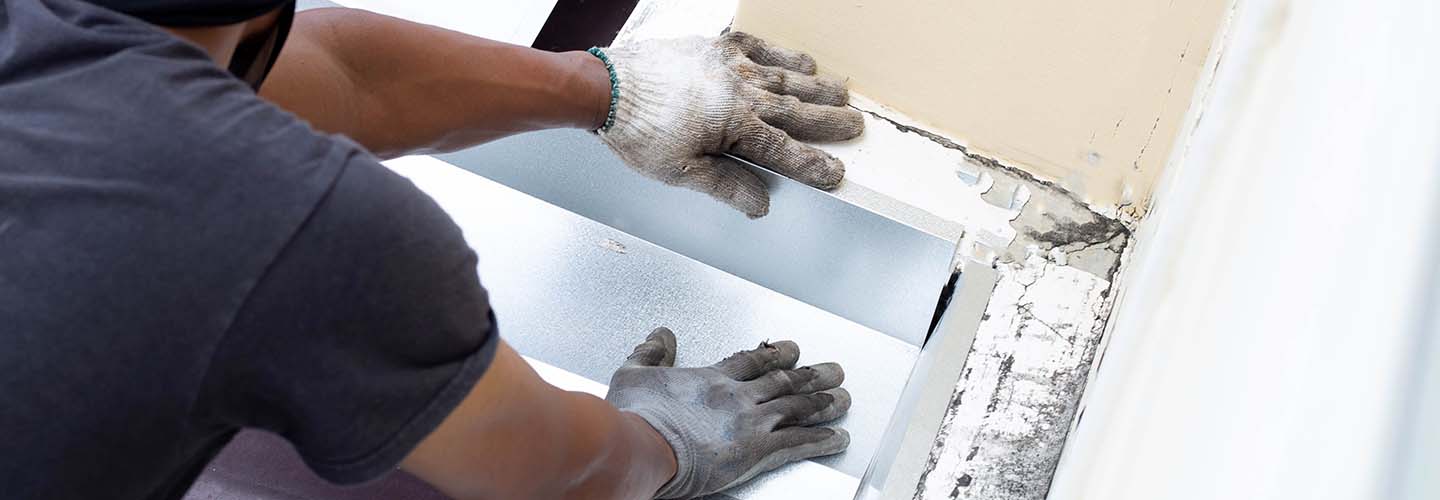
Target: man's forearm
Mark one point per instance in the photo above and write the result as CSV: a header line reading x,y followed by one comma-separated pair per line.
x,y
634,462
399,87
517,437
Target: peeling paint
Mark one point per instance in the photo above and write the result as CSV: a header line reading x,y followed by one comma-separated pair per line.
x,y
1030,361
1059,219
1065,233
947,143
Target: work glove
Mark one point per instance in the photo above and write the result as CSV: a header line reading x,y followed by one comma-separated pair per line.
x,y
682,102
728,422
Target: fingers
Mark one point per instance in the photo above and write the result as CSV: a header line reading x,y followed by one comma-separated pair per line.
x,y
808,409
747,365
764,53
773,148
793,444
805,380
812,89
727,181
808,122
658,349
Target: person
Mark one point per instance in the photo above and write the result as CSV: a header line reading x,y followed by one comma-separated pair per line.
x,y
182,257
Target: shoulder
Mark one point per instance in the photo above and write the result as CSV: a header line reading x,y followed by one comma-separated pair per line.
x,y
374,298
149,98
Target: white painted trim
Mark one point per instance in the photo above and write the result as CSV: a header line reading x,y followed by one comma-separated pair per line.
x,y
1262,349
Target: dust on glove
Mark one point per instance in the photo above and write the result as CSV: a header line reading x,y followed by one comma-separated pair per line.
x,y
750,413
683,101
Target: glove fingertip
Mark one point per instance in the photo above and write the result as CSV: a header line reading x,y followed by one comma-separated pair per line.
x,y
841,441
788,353
836,442
804,63
757,209
662,334
665,338
831,172
658,349
827,376
852,123
842,399
817,168
830,91
763,52
752,198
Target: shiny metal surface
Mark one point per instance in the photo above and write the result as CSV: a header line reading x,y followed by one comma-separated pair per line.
x,y
904,454
578,294
862,256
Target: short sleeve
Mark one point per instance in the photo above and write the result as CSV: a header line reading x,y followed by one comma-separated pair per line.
x,y
367,329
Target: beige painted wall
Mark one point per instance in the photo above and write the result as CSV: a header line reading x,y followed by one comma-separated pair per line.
x,y
1085,93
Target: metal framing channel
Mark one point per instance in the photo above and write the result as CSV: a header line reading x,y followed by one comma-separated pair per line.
x,y
853,252
904,454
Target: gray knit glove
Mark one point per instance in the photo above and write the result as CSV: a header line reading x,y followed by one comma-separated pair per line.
x,y
731,421
683,101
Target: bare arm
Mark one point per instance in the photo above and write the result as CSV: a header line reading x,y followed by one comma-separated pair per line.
x,y
399,87
517,437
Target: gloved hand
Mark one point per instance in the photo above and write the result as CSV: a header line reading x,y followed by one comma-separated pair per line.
x,y
683,101
728,422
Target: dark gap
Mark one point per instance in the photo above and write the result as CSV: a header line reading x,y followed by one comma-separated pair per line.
x,y
945,294
581,24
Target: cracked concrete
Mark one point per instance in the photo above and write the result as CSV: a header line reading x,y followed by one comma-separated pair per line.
x,y
1012,409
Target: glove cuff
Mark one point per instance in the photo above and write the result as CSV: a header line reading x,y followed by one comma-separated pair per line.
x,y
625,106
637,98
684,480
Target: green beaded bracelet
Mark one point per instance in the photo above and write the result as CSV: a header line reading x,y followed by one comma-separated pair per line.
x,y
614,86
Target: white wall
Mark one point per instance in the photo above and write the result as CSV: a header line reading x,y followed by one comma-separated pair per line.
x,y
1271,336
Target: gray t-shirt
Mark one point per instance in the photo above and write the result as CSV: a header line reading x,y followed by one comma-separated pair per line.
x,y
180,259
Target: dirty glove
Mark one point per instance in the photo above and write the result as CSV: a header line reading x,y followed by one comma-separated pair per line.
x,y
684,101
731,421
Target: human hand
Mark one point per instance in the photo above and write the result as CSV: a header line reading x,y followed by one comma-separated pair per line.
x,y
682,102
750,413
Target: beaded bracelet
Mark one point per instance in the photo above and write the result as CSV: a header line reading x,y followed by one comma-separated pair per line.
x,y
614,86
